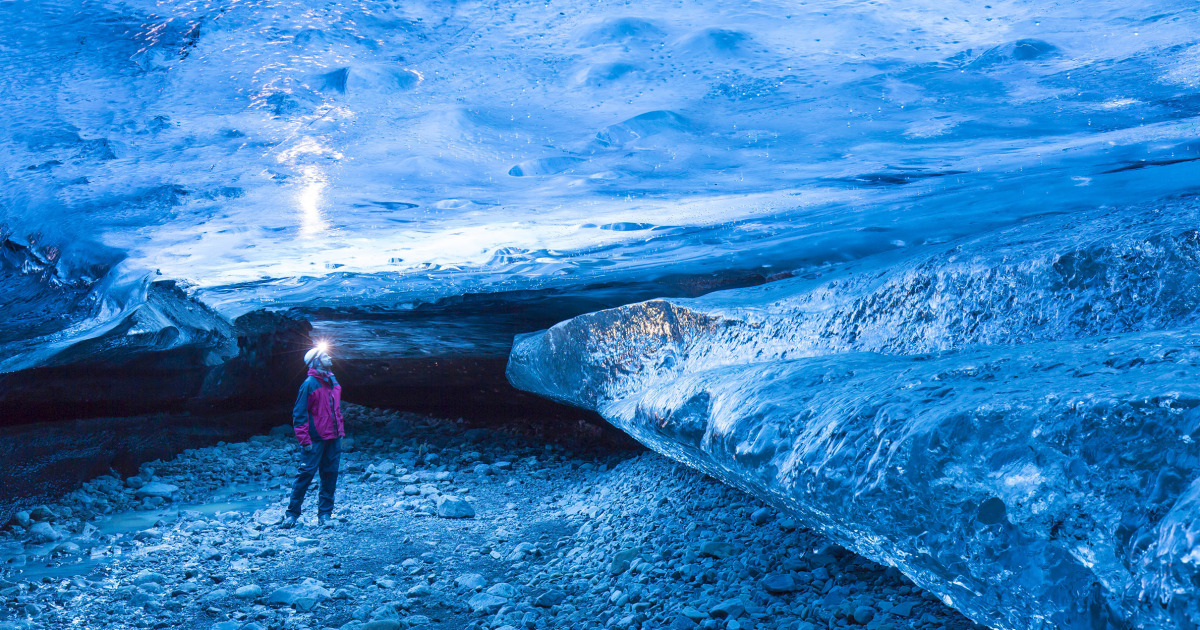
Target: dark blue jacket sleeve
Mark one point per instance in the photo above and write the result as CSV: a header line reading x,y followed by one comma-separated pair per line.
x,y
300,415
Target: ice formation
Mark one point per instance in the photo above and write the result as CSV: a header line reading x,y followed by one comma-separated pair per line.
x,y
940,192
1011,420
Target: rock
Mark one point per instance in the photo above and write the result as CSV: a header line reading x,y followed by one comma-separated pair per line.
x,y
761,516
454,507
382,624
471,581
716,549
249,591
42,513
621,560
681,622
903,609
149,576
44,532
304,596
550,598
778,584
521,550
863,615
503,589
66,549
730,608
693,614
22,518
156,489
486,603
420,590
786,524
135,482
417,620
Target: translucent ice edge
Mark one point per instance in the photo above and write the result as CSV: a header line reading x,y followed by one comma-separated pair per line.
x,y
1011,420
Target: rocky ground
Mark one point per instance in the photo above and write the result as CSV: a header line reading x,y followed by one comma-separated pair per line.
x,y
438,526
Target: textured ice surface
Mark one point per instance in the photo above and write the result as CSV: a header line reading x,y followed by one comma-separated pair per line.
x,y
283,152
1011,419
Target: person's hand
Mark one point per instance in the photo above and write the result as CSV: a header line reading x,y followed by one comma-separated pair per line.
x,y
307,448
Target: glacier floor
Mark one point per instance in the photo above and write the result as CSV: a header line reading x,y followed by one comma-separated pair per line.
x,y
562,538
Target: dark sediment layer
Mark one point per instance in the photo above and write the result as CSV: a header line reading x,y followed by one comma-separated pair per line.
x,y
47,459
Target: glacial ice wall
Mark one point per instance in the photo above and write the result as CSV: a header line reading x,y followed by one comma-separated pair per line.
x,y
1010,419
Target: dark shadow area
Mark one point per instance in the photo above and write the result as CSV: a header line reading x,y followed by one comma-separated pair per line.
x,y
46,460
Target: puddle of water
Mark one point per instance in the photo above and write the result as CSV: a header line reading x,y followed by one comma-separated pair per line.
x,y
35,562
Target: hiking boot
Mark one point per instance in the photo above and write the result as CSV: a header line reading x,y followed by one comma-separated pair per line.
x,y
324,520
289,522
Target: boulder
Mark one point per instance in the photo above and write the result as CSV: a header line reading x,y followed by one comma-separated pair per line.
x,y
454,507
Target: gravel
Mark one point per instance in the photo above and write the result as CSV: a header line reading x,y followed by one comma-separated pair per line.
x,y
501,532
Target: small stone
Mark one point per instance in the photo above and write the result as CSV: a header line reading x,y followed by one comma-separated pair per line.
x,y
863,615
44,532
42,513
135,482
621,561
486,603
521,550
761,516
149,576
471,581
382,624
454,507
693,614
304,596
716,549
730,608
22,518
66,549
154,588
155,489
249,591
420,590
779,584
681,622
550,598
503,589
903,609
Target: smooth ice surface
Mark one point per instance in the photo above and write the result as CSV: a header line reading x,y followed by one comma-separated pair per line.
x,y
381,154
1010,419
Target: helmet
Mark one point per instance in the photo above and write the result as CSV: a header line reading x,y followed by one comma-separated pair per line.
x,y
318,357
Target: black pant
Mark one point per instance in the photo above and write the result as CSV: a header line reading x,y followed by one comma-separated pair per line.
x,y
326,456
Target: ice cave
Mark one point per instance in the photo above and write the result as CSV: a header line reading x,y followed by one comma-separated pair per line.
x,y
600,315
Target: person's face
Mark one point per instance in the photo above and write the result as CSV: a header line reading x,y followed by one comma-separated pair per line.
x,y
326,361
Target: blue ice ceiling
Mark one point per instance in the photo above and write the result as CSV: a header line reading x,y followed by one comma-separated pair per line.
x,y
281,153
